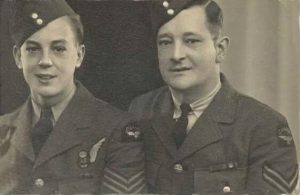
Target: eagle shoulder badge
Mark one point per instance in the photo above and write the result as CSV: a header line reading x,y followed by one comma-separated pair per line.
x,y
285,137
131,133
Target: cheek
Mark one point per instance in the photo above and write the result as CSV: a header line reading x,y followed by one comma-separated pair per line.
x,y
203,57
164,53
163,67
66,64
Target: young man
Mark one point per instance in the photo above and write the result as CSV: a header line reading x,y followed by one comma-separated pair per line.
x,y
62,140
222,141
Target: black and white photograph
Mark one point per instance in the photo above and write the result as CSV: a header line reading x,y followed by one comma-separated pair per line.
x,y
149,97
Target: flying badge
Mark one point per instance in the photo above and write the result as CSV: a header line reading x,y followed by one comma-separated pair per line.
x,y
86,158
285,137
131,133
94,151
6,133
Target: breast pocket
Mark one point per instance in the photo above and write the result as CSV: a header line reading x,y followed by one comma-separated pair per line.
x,y
221,181
85,184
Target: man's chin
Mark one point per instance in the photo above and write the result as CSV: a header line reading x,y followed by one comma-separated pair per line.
x,y
46,93
180,84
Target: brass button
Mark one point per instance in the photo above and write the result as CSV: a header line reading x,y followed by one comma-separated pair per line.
x,y
39,182
230,165
178,168
39,21
166,4
170,11
34,15
226,189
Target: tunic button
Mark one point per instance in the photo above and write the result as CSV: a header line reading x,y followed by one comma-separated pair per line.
x,y
178,168
170,12
34,15
39,182
166,4
226,189
230,165
39,21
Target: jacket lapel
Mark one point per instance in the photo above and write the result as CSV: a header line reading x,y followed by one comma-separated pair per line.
x,y
208,128
204,132
163,126
77,115
162,121
22,122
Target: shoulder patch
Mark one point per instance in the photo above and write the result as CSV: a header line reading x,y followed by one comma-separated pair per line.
x,y
285,137
131,133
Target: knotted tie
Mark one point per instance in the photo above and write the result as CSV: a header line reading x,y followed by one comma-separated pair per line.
x,y
41,130
179,132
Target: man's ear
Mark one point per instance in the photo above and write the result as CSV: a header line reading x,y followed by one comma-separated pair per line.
x,y
80,55
221,45
17,56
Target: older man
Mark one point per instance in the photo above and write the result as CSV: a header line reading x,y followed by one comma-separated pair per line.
x,y
62,140
204,136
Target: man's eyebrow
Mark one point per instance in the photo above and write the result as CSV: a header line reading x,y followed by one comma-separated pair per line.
x,y
31,42
163,35
191,34
59,41
53,42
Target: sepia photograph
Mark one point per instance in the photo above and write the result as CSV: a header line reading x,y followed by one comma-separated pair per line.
x,y
149,97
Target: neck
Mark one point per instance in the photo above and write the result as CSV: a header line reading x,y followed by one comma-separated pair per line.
x,y
50,101
194,94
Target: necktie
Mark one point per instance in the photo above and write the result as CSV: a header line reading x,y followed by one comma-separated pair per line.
x,y
179,131
41,130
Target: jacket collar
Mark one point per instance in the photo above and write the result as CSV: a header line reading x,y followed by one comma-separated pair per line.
x,y
64,134
223,107
21,121
207,129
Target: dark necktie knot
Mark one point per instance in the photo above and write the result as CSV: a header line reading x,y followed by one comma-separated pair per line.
x,y
185,109
46,113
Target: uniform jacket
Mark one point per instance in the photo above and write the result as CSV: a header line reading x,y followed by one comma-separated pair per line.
x,y
237,145
86,153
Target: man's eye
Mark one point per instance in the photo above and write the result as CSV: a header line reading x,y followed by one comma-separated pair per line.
x,y
32,49
59,49
164,42
192,41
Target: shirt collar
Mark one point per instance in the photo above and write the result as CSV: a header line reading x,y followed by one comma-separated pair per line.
x,y
56,109
197,106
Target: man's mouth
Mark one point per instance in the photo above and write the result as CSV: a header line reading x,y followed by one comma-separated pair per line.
x,y
180,69
45,76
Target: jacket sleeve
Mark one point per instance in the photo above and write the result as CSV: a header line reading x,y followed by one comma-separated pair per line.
x,y
124,169
272,162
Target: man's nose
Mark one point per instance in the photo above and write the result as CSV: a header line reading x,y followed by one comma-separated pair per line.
x,y
45,60
179,53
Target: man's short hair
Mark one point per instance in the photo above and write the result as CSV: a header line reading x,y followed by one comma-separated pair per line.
x,y
214,15
77,27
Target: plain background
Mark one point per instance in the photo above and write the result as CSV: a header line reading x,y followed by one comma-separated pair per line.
x,y
120,63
